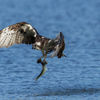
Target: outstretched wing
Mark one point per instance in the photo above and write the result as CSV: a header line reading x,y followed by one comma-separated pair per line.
x,y
18,33
60,45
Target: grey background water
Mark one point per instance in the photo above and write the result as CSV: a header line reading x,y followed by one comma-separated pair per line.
x,y
73,78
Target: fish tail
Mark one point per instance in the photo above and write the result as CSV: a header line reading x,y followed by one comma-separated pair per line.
x,y
35,79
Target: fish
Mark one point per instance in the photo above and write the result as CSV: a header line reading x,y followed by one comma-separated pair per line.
x,y
44,68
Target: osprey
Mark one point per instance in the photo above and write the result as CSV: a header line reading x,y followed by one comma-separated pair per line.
x,y
24,33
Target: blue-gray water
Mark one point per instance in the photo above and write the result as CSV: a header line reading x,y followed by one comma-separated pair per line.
x,y
76,77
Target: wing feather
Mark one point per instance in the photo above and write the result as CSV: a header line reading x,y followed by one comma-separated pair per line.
x,y
18,33
2,40
60,45
9,42
13,39
6,41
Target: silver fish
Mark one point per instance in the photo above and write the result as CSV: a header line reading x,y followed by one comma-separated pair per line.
x,y
44,68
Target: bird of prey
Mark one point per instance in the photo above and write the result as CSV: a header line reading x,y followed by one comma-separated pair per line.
x,y
24,33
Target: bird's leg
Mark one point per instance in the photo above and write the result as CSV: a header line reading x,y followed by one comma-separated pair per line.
x,y
39,60
44,55
44,61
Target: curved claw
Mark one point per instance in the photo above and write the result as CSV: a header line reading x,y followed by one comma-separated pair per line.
x,y
44,62
39,61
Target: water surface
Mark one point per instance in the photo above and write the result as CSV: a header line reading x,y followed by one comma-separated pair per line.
x,y
73,78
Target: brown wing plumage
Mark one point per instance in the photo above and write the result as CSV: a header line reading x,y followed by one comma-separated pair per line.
x,y
59,46
24,33
18,33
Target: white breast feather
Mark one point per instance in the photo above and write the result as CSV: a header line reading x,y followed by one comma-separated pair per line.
x,y
38,43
